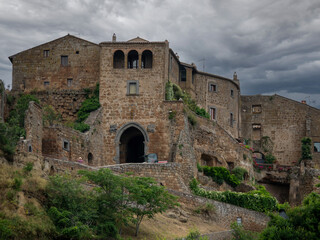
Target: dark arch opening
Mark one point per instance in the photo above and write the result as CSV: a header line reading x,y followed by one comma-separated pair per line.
x,y
51,173
209,160
132,147
90,159
146,59
183,74
133,59
118,59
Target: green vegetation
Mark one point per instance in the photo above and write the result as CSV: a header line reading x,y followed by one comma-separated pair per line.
x,y
194,234
90,104
102,212
174,92
13,129
221,174
172,115
50,116
306,148
258,200
269,158
207,209
240,173
302,224
239,233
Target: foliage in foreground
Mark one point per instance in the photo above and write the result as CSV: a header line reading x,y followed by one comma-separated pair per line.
x,y
13,128
258,200
303,222
104,210
239,233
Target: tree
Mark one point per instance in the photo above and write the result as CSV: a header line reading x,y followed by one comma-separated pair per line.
x,y
303,222
148,198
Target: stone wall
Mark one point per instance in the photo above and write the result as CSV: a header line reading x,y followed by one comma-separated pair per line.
x,y
34,129
216,147
226,213
220,99
65,102
41,67
284,121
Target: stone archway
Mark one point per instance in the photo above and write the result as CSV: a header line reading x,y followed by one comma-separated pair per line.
x,y
131,143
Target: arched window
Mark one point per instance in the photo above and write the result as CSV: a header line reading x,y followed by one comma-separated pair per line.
x,y
133,59
118,59
90,159
146,59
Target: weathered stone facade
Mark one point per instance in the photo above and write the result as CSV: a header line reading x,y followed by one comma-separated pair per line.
x,y
65,63
284,121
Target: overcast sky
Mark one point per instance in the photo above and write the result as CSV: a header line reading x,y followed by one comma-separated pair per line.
x,y
274,46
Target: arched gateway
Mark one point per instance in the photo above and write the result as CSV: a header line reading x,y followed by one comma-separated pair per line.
x,y
131,143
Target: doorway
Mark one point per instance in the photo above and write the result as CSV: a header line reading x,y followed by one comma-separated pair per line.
x,y
132,146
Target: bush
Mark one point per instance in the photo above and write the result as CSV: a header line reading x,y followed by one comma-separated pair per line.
x,y
87,107
253,201
169,91
269,158
28,168
240,173
240,234
192,119
220,174
306,148
82,127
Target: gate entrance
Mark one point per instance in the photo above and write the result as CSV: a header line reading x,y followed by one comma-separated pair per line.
x,y
132,147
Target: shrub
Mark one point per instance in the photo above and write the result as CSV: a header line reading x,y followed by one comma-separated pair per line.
x,y
306,148
87,107
192,119
220,174
269,158
253,201
28,168
82,127
17,182
239,172
169,91
239,233
50,116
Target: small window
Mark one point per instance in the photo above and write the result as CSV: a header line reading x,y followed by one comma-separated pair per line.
x,y
171,63
146,59
256,126
212,113
90,159
316,147
69,82
77,52
46,83
212,87
132,87
64,61
66,145
231,120
256,109
29,148
183,74
231,93
239,220
46,53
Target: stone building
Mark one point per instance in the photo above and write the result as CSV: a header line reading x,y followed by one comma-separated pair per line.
x,y
135,119
285,122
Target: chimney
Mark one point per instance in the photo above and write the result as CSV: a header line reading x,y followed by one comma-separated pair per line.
x,y
114,38
304,101
235,76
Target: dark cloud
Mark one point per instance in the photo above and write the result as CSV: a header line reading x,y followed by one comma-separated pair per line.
x,y
273,45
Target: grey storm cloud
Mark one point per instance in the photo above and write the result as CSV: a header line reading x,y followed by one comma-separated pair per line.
x,y
273,45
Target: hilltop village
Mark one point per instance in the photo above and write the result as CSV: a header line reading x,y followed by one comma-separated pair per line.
x,y
142,111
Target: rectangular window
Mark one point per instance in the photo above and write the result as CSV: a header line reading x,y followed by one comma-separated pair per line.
x,y
212,87
231,119
212,113
132,87
46,83
256,131
64,60
66,145
46,53
183,74
256,109
231,93
316,147
69,82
